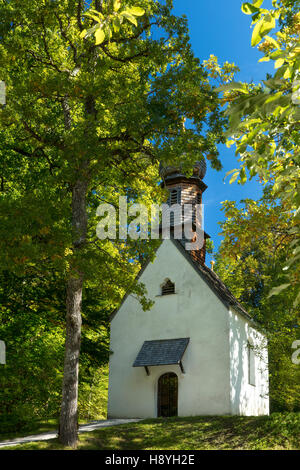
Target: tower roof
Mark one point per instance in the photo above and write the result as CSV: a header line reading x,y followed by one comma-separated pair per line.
x,y
173,174
199,170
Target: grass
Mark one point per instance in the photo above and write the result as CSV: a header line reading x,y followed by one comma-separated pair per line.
x,y
280,431
33,427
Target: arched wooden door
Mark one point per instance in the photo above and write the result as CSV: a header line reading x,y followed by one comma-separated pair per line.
x,y
167,400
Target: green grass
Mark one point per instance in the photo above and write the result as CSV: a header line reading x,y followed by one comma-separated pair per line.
x,y
279,431
33,427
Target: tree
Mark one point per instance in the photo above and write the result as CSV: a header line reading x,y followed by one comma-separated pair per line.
x,y
264,119
256,243
33,325
86,121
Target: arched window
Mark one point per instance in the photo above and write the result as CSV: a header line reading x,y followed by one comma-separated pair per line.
x,y
167,395
251,363
168,287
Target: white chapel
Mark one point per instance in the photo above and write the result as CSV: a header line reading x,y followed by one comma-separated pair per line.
x,y
196,351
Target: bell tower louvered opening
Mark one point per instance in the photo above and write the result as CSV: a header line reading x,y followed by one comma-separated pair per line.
x,y
168,288
174,196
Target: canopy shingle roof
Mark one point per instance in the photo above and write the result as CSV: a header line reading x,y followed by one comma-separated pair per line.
x,y
161,352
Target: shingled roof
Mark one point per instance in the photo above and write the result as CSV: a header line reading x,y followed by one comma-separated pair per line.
x,y
161,352
214,282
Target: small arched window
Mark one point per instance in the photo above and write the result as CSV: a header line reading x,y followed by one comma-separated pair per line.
x,y
168,287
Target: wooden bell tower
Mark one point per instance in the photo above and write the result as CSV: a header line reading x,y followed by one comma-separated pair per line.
x,y
185,190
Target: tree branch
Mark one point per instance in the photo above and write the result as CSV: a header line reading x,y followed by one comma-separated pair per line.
x,y
42,140
125,59
66,38
37,152
44,62
79,8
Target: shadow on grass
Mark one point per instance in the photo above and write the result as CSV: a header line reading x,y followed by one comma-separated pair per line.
x,y
278,431
32,427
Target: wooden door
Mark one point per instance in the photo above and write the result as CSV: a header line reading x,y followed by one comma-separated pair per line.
x,y
167,400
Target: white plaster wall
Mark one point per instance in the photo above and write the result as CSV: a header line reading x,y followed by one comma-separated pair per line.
x,y
194,312
246,399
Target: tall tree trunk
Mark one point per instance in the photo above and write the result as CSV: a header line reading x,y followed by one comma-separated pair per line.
x,y
68,426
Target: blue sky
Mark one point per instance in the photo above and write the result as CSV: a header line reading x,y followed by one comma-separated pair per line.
x,y
219,27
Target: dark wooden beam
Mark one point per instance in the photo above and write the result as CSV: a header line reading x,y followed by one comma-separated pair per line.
x,y
147,370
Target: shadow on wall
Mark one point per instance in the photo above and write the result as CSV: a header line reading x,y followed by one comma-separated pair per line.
x,y
247,399
236,366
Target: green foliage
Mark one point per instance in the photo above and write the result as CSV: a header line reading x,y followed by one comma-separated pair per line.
x,y
109,20
93,394
74,104
32,323
104,111
224,73
209,245
256,243
264,119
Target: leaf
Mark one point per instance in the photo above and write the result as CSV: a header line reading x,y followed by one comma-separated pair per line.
x,y
129,17
108,33
232,86
279,63
229,143
273,41
288,73
262,27
95,12
95,18
243,176
273,97
234,177
258,3
116,25
273,83
95,15
256,37
117,5
255,17
88,32
296,301
277,54
99,36
136,11
230,172
268,24
248,8
297,250
278,289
